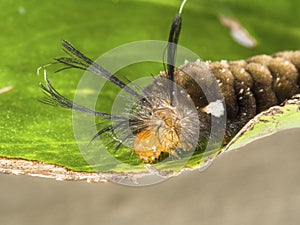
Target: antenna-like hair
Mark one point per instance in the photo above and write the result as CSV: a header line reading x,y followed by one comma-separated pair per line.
x,y
172,48
181,6
82,62
53,97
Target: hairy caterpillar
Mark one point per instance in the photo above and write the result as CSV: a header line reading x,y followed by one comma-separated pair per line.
x,y
249,86
163,120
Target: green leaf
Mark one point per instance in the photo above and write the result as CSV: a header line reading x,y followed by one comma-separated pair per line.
x,y
31,33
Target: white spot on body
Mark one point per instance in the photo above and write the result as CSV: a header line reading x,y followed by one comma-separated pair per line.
x,y
215,108
261,90
241,91
223,70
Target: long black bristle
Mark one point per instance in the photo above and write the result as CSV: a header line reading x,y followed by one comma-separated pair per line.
x,y
82,62
172,48
53,97
102,131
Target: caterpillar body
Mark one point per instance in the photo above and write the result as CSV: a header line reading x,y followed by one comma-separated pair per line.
x,y
248,87
176,117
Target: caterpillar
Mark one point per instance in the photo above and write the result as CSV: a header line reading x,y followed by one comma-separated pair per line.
x,y
249,86
173,113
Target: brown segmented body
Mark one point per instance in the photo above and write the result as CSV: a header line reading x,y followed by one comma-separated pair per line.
x,y
249,87
256,84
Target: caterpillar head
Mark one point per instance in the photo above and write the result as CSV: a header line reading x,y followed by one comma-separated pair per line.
x,y
164,126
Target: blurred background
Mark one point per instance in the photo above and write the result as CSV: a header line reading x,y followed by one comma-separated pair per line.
x,y
256,185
